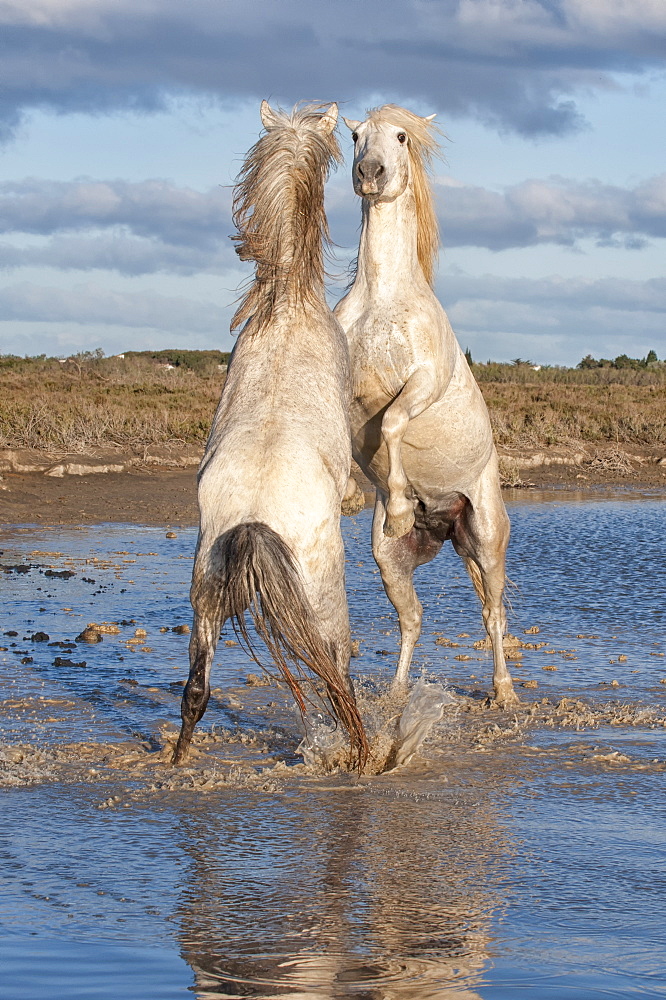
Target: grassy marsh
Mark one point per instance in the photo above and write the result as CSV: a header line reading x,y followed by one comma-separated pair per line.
x,y
96,402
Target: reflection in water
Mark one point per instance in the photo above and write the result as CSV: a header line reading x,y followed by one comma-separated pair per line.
x,y
406,885
349,891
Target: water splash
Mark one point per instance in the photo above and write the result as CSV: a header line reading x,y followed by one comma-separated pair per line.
x,y
323,740
395,736
425,707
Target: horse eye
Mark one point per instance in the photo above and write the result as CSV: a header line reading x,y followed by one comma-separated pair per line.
x,y
402,137
354,136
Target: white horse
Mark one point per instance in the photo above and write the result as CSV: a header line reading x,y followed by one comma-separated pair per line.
x,y
420,427
277,460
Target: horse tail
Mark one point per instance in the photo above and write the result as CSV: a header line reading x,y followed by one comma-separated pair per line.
x,y
256,571
475,576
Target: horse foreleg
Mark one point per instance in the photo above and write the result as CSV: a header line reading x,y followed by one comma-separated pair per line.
x,y
418,392
397,559
203,642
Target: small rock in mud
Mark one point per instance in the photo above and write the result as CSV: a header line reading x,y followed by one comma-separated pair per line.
x,y
90,635
530,684
40,637
27,659
534,630
171,534
181,629
11,633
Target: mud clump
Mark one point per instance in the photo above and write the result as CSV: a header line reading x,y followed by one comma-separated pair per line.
x,y
23,765
61,661
90,635
258,680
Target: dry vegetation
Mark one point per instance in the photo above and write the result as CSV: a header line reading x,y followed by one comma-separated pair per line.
x,y
538,416
92,402
76,406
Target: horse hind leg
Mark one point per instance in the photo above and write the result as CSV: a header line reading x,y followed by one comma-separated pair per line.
x,y
203,642
480,537
397,559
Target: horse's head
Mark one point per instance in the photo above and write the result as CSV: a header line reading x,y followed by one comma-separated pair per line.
x,y
383,151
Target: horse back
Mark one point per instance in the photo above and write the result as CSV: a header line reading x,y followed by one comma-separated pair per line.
x,y
279,447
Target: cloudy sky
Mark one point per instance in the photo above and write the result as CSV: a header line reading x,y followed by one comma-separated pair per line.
x,y
124,122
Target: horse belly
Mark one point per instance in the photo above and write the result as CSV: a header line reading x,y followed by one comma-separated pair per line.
x,y
444,449
447,446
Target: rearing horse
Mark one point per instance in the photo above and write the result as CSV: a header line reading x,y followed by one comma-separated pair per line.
x,y
276,464
420,427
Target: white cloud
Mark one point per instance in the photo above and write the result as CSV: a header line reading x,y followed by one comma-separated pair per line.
x,y
519,64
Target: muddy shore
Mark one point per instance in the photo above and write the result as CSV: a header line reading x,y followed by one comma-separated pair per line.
x,y
162,495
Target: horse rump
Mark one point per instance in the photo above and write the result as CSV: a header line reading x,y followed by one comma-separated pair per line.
x,y
251,568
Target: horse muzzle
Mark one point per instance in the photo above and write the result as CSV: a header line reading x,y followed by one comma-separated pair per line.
x,y
369,177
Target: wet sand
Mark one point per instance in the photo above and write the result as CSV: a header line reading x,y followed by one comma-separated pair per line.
x,y
161,497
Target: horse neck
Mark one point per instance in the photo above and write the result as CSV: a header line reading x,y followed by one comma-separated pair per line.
x,y
388,248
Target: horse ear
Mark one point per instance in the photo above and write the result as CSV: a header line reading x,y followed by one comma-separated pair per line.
x,y
429,118
351,124
328,120
268,116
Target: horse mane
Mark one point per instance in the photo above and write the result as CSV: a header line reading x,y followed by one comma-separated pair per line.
x,y
278,210
423,147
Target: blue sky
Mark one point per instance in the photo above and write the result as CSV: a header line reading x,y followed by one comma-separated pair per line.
x,y
123,124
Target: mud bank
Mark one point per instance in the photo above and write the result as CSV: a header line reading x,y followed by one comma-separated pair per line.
x,y
165,494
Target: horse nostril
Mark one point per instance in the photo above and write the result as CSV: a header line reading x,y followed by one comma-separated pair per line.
x,y
380,170
360,170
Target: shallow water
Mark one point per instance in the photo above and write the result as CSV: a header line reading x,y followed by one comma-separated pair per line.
x,y
516,853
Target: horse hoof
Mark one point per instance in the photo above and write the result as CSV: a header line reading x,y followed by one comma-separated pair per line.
x,y
396,527
506,698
